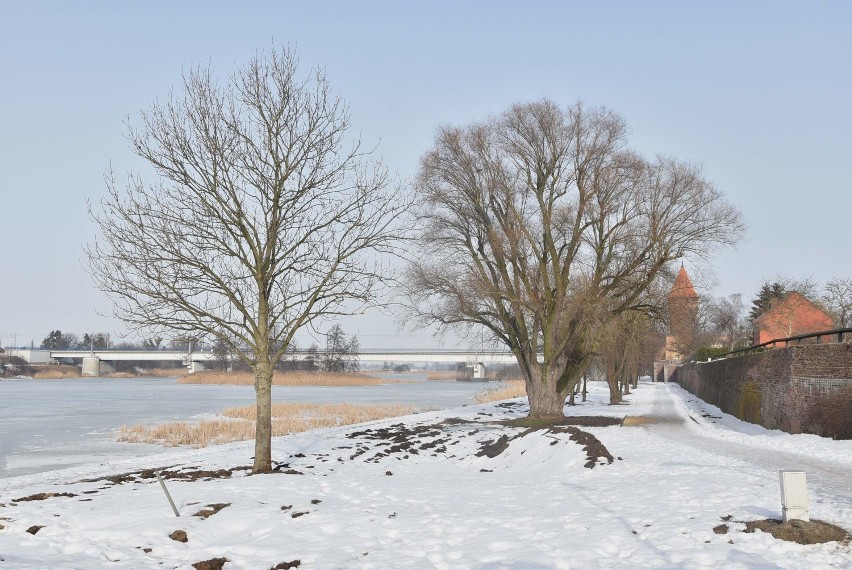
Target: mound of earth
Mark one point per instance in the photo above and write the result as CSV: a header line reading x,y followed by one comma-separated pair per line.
x,y
802,532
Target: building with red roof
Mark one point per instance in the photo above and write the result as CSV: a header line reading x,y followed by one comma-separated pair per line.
x,y
791,315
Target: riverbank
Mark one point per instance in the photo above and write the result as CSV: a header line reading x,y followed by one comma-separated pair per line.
x,y
461,490
53,424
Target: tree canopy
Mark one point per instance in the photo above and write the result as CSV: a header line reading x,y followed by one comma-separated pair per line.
x,y
541,225
264,215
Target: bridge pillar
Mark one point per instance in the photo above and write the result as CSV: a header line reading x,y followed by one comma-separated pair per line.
x,y
478,370
94,366
195,366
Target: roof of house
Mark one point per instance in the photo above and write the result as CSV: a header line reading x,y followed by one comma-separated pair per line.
x,y
792,300
682,288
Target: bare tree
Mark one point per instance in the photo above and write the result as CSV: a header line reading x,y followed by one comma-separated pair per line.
x,y
837,298
265,215
727,318
542,226
341,353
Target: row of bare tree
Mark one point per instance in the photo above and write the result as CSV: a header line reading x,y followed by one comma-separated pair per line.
x,y
264,214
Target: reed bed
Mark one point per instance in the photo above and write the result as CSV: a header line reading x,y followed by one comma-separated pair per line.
x,y
286,379
449,375
237,424
164,372
57,372
510,389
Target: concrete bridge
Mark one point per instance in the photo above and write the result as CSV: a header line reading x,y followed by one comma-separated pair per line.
x,y
97,362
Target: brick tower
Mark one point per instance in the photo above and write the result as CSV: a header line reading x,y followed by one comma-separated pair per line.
x,y
683,313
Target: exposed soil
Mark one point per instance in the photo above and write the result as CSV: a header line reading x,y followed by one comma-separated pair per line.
x,y
582,421
595,450
287,565
179,536
721,529
43,496
211,510
399,439
492,449
181,474
801,532
212,564
34,529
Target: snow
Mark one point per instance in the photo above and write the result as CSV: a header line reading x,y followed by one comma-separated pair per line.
x,y
532,506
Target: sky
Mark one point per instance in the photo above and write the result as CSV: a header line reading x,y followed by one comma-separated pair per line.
x,y
758,93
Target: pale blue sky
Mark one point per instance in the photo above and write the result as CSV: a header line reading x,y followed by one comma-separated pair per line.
x,y
759,93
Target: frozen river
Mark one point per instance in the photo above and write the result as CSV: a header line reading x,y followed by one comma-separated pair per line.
x,y
52,424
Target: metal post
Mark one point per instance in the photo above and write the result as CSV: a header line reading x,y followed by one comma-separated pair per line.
x,y
168,495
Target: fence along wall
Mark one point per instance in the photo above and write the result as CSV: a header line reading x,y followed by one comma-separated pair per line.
x,y
799,389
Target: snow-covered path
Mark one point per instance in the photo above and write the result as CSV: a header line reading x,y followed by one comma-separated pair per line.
x,y
415,492
825,477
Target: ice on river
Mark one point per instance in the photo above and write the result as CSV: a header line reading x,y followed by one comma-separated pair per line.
x,y
52,424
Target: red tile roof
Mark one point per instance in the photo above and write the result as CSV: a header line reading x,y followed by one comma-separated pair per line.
x,y
682,288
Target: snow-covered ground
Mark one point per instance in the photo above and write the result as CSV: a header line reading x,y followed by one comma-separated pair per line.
x,y
413,493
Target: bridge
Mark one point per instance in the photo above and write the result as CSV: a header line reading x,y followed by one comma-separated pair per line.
x,y
97,362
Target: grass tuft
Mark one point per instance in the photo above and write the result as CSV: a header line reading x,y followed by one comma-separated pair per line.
x,y
238,424
285,379
511,389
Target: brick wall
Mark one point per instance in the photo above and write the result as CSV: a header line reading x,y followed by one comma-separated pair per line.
x,y
800,389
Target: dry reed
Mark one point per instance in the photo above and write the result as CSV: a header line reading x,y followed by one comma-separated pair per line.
x,y
164,372
286,379
57,372
238,424
451,375
511,389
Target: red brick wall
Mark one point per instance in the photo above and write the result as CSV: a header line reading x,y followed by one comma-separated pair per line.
x,y
800,389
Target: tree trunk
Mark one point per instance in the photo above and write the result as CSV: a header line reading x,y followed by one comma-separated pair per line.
x,y
263,426
546,402
614,392
585,382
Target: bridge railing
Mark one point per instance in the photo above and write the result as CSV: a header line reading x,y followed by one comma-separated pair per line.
x,y
822,337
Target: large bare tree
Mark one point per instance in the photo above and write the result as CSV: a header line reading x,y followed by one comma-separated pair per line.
x,y
265,214
542,226
837,298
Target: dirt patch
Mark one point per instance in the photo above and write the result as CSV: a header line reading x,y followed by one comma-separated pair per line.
x,y
211,510
182,474
212,564
494,448
595,450
34,529
179,536
544,423
406,440
287,565
721,529
630,421
43,496
801,532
